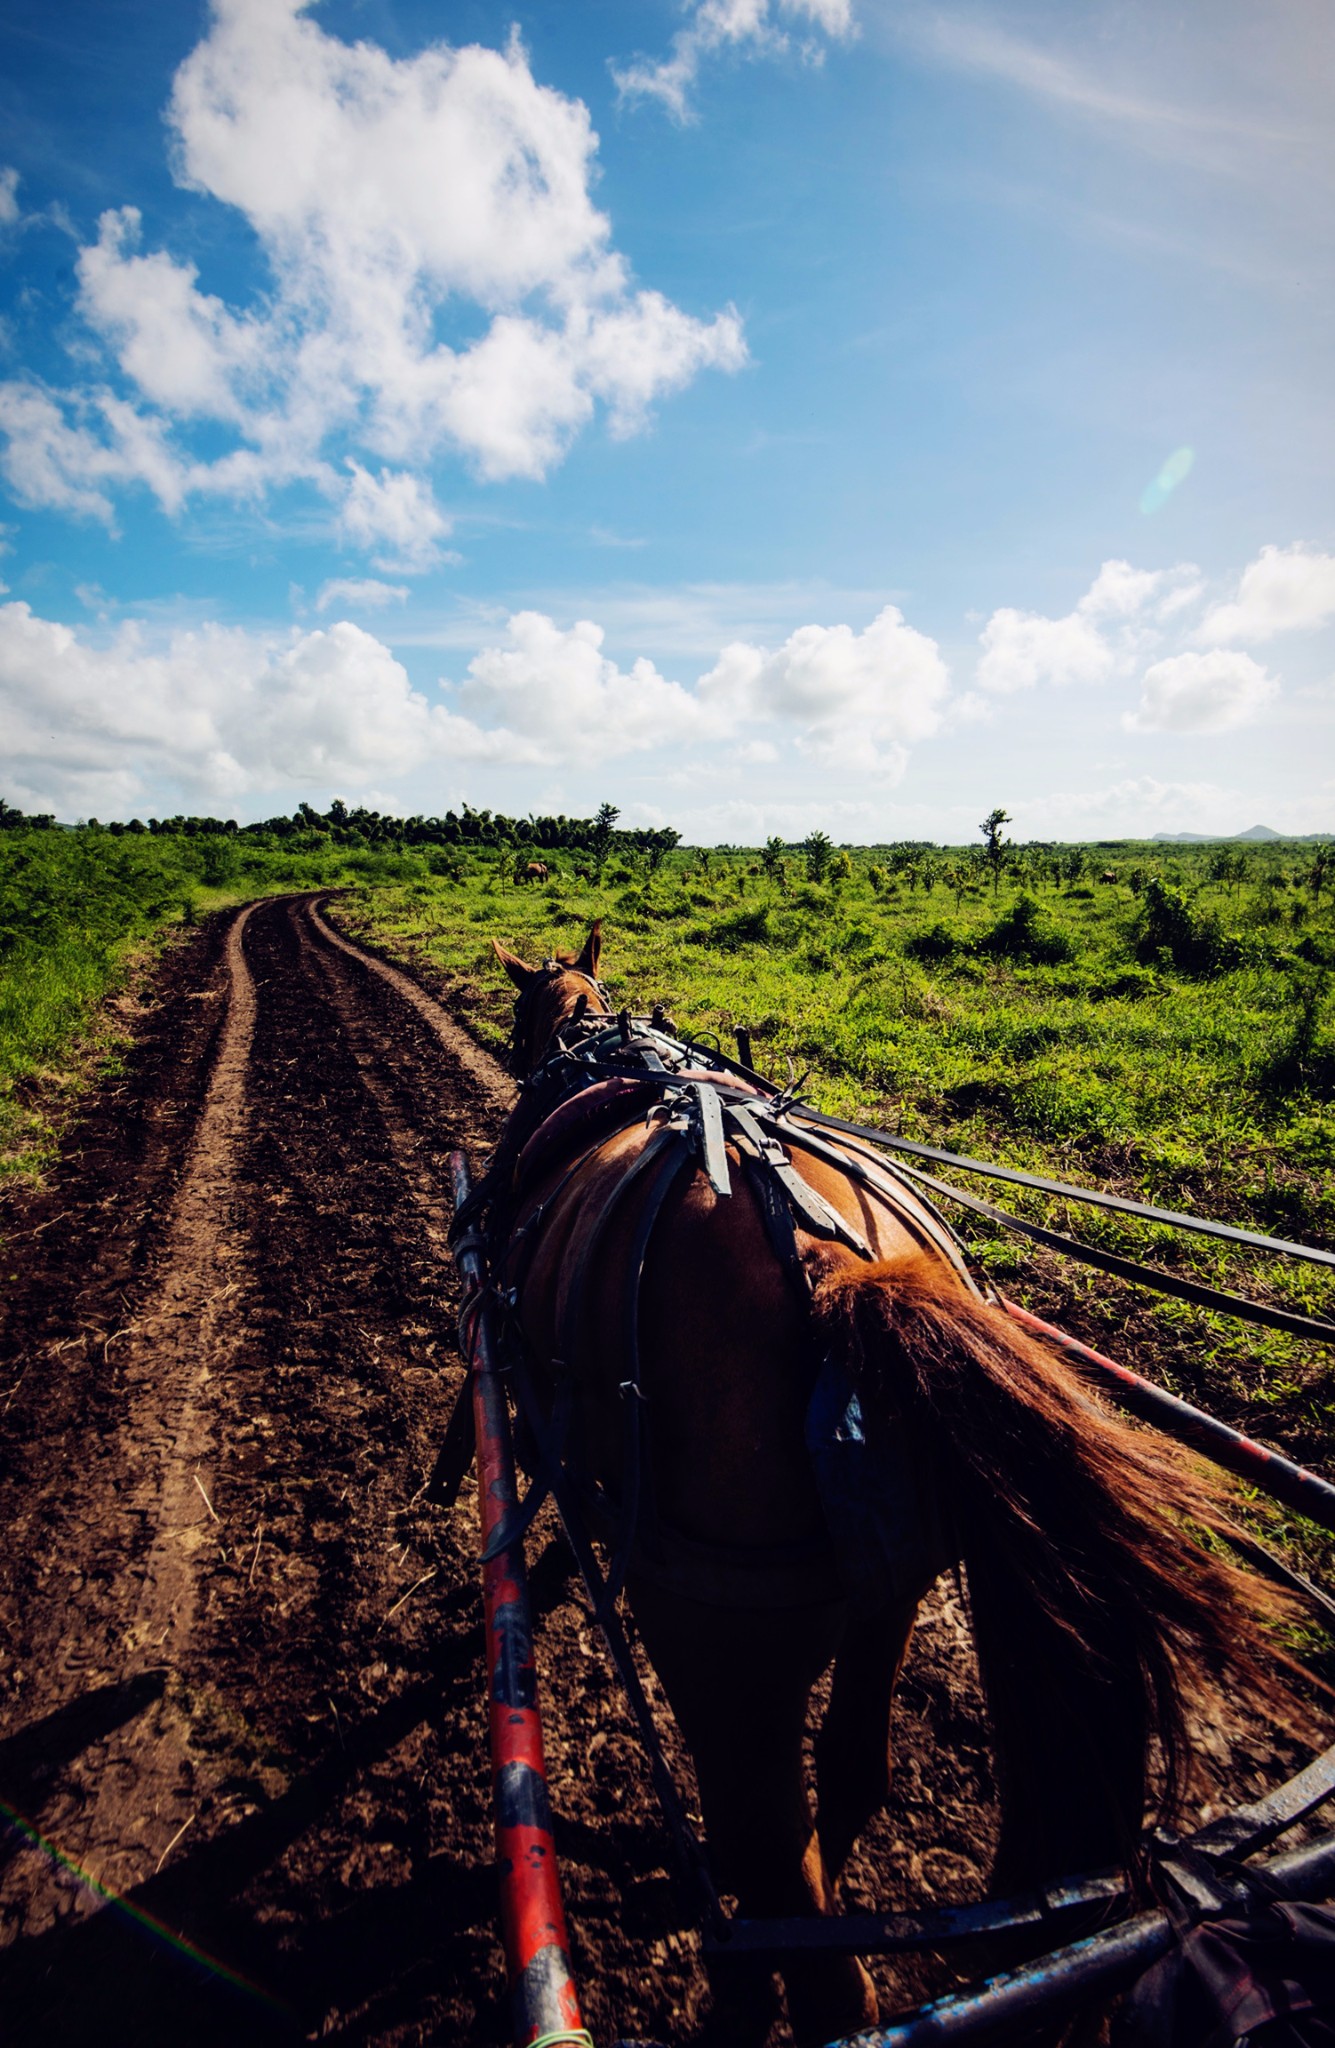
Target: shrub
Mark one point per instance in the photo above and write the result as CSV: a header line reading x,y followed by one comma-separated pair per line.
x,y
1170,925
1023,933
743,928
939,941
1304,1057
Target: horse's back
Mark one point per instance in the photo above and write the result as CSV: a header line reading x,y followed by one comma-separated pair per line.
x,y
725,1347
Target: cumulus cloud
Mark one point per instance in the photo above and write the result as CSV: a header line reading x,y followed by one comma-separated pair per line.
x,y
751,26
218,712
1285,590
1098,639
571,703
214,713
1202,693
395,512
1021,649
73,467
388,195
857,699
9,196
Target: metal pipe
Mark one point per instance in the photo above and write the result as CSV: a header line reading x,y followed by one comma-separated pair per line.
x,y
1294,1485
1011,2006
537,1945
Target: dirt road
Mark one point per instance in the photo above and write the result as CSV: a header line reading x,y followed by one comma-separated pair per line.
x,y
242,1742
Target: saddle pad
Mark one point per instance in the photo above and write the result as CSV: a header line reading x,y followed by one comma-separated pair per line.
x,y
597,1110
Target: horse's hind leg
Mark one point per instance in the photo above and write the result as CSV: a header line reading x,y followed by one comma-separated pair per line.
x,y
853,1746
739,1682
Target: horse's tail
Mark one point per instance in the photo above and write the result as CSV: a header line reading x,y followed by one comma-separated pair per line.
x,y
1097,1613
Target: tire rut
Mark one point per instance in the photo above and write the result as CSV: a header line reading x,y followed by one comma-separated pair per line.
x,y
171,1349
222,1705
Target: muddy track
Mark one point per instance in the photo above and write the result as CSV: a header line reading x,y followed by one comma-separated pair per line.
x,y
242,1740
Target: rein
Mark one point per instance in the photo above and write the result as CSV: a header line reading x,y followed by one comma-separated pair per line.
x,y
519,1053
602,1042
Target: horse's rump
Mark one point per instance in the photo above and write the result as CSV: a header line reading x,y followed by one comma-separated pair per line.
x,y
722,1348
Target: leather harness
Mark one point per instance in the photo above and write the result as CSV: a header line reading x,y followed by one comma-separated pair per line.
x,y
604,1075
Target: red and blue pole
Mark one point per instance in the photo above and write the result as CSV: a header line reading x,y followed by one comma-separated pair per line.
x,y
533,1923
1306,1492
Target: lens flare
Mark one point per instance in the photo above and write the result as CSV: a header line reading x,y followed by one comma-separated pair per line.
x,y
1175,471
175,1942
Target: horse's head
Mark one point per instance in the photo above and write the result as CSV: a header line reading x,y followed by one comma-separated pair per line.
x,y
550,995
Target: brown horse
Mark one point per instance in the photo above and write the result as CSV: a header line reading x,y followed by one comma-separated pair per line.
x,y
1097,1617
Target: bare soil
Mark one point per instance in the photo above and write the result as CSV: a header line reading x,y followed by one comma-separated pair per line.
x,y
242,1733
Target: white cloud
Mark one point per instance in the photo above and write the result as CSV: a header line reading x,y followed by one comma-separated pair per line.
x,y
856,698
387,194
572,704
396,513
1285,590
1021,649
70,467
9,196
218,712
1202,693
1097,640
747,25
364,593
1118,591
181,346
214,712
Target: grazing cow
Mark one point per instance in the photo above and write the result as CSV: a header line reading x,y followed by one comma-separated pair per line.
x,y
532,871
1108,875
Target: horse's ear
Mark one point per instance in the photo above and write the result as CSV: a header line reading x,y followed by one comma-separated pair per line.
x,y
587,962
513,965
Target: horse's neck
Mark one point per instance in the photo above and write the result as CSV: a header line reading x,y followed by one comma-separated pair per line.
x,y
565,1001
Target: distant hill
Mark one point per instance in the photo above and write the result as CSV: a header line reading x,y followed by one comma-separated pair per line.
x,y
1207,838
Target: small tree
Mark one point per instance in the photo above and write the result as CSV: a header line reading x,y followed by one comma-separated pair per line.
x,y
994,843
955,875
1320,872
771,858
600,839
819,849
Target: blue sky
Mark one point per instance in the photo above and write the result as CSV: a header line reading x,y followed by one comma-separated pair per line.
x,y
764,413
